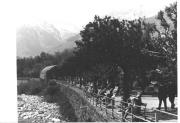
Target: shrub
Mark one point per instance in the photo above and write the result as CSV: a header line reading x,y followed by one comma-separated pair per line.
x,y
23,88
32,87
52,83
36,90
52,90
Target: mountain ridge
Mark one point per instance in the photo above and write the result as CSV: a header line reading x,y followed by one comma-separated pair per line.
x,y
32,40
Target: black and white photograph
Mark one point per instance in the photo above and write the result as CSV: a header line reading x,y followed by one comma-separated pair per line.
x,y
96,61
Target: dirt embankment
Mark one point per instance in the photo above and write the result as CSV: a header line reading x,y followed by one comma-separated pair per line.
x,y
66,108
83,110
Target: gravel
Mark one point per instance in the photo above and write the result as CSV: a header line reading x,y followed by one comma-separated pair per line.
x,y
34,109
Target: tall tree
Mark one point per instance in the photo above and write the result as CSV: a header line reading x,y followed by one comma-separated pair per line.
x,y
110,41
165,45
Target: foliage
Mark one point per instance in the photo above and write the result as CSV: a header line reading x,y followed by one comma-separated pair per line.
x,y
52,90
167,39
166,42
107,43
32,87
31,67
23,88
136,46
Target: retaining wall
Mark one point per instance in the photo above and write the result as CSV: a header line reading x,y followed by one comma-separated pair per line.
x,y
84,111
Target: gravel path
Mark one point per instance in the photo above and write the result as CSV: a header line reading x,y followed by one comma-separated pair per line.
x,y
34,109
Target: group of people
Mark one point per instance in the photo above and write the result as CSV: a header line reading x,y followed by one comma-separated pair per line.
x,y
165,87
165,91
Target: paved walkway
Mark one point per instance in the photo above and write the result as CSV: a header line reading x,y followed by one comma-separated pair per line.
x,y
152,102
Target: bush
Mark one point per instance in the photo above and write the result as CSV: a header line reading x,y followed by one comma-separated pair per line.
x,y
32,87
36,90
52,90
52,83
23,88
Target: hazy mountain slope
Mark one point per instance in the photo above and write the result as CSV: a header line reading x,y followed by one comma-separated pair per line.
x,y
32,40
69,43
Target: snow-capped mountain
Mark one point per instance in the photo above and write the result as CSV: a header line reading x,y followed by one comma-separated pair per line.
x,y
32,40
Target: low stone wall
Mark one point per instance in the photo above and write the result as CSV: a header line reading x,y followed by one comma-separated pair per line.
x,y
84,111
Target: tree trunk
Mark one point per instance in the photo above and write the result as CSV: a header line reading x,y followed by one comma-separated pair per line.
x,y
125,86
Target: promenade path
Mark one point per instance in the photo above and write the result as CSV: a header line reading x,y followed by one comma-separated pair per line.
x,y
152,103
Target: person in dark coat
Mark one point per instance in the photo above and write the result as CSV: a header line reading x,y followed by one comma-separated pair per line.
x,y
137,102
172,91
162,95
158,81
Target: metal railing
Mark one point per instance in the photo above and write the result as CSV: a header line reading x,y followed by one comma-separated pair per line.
x,y
164,112
102,102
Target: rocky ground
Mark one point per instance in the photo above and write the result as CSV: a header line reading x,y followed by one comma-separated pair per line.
x,y
34,109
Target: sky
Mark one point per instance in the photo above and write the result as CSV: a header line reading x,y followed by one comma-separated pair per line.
x,y
73,15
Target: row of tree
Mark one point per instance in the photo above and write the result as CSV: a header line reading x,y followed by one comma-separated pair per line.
x,y
121,51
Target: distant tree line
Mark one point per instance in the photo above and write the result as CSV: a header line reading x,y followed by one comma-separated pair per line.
x,y
31,66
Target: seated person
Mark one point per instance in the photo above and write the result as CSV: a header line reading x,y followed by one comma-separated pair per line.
x,y
137,102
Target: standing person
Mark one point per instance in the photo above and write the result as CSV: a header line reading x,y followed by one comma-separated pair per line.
x,y
162,95
172,90
157,80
